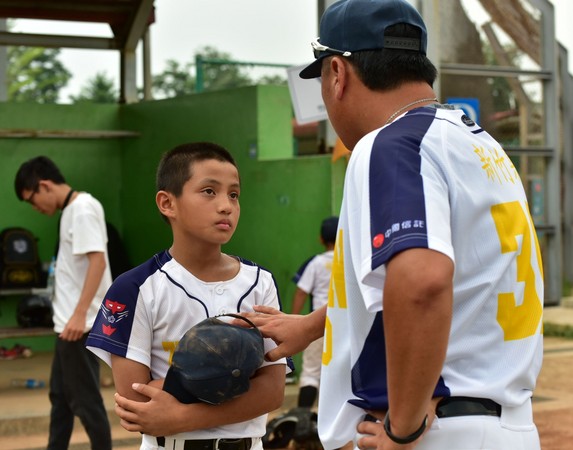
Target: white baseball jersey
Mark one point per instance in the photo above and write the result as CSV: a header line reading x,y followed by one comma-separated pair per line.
x,y
148,309
314,278
433,179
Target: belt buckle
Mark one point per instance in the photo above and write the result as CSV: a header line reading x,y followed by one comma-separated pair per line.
x,y
234,442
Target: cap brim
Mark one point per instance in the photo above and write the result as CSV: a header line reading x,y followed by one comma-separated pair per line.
x,y
174,386
312,70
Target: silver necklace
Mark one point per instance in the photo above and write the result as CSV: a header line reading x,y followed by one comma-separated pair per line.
x,y
403,108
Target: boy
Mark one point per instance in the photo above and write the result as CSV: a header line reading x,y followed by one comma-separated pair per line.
x,y
148,309
82,276
313,279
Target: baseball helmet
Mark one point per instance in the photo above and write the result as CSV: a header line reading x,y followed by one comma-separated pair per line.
x,y
34,311
214,361
296,428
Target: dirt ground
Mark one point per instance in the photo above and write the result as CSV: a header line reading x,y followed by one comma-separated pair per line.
x,y
553,397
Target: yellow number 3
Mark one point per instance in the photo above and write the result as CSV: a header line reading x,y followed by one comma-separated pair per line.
x,y
518,321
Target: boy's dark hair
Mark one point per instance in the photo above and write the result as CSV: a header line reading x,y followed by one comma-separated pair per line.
x,y
176,165
328,229
387,69
35,170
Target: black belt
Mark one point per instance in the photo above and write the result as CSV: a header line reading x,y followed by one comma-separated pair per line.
x,y
467,406
212,444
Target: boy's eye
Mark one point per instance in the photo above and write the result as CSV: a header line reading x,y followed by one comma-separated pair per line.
x,y
234,195
208,191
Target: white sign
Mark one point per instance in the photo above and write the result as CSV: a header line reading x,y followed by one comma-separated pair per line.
x,y
305,96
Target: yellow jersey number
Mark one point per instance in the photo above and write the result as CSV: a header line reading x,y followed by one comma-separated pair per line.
x,y
518,321
336,291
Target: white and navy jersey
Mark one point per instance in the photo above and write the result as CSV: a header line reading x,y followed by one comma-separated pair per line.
x,y
313,277
148,309
433,179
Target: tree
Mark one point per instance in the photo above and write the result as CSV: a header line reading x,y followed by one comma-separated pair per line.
x,y
178,79
222,75
99,89
174,81
35,74
272,79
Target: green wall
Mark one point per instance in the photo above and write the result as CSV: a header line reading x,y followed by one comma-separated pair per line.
x,y
283,198
91,165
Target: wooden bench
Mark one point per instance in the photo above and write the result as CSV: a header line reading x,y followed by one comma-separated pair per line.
x,y
14,331
17,332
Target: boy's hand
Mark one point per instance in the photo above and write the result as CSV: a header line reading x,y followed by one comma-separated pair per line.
x,y
74,329
155,417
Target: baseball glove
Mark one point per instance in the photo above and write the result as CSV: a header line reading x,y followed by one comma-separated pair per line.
x,y
296,428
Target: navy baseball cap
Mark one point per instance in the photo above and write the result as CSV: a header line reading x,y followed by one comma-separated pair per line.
x,y
214,361
328,229
353,25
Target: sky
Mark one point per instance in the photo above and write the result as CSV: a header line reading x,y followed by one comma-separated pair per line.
x,y
262,31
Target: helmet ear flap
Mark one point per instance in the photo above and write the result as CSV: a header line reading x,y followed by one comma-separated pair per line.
x,y
280,431
298,425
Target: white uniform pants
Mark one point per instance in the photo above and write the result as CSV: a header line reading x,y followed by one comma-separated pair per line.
x,y
514,430
311,364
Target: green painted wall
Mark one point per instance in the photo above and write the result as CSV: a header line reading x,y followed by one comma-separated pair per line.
x,y
283,198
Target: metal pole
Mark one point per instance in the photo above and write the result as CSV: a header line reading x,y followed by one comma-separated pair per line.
x,y
199,73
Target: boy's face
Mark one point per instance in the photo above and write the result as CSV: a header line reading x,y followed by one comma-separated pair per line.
x,y
41,198
208,208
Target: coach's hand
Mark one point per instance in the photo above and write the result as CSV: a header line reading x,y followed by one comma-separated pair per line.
x,y
373,436
292,332
153,417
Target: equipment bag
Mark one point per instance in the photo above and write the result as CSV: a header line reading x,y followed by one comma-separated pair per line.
x,y
20,265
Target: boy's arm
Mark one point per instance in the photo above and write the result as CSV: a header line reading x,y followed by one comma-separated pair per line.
x,y
76,325
125,373
298,300
163,415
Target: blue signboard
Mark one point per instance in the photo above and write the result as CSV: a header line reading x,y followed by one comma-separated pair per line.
x,y
469,105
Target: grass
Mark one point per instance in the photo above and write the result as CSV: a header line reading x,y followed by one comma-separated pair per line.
x,y
555,330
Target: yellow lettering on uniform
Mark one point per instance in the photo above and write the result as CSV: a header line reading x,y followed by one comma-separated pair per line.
x,y
327,350
518,321
337,288
170,346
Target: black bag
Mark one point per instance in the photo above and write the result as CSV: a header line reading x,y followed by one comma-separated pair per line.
x,y
34,311
20,265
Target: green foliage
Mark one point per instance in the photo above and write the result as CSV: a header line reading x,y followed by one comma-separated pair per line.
x,y
556,330
222,76
99,89
274,80
174,81
219,72
35,74
502,93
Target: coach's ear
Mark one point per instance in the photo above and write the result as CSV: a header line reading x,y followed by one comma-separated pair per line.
x,y
165,203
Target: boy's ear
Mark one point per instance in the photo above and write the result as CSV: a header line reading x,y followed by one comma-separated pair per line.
x,y
165,203
47,184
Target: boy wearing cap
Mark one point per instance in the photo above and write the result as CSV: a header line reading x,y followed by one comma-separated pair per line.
x,y
149,309
313,279
434,318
